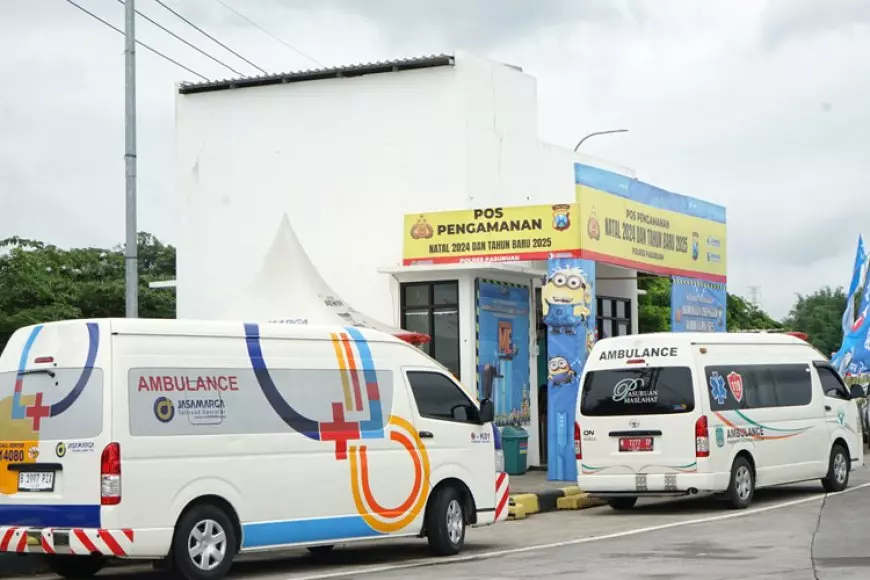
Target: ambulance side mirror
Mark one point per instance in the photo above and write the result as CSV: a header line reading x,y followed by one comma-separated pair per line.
x,y
487,411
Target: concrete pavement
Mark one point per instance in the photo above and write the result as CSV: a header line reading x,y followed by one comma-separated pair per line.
x,y
656,541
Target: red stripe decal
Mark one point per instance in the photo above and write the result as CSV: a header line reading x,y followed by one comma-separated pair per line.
x,y
46,547
111,543
128,533
86,542
500,479
22,543
7,537
501,505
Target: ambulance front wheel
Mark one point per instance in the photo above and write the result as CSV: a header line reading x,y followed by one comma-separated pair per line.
x,y
75,566
445,521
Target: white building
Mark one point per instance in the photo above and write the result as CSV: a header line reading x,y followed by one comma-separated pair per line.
x,y
345,153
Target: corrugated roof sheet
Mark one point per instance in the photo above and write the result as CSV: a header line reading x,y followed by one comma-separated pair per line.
x,y
319,74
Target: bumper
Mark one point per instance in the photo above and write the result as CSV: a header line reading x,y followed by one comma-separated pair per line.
x,y
653,483
502,499
67,541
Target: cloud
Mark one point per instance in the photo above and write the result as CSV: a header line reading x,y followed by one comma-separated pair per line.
x,y
480,24
785,21
759,106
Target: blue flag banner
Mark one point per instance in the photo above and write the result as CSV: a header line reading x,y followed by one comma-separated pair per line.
x,y
697,305
853,357
568,308
857,271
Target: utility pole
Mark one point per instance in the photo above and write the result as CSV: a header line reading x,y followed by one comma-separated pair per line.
x,y
131,253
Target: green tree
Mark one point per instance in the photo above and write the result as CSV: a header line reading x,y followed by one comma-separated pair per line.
x,y
40,282
654,309
820,315
743,315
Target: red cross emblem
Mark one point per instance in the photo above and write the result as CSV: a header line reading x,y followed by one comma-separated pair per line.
x,y
339,431
735,383
38,412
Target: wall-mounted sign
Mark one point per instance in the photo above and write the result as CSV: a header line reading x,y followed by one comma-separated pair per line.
x,y
629,223
698,305
496,234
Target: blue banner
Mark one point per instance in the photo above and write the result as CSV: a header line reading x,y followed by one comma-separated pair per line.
x,y
697,305
568,308
853,357
502,350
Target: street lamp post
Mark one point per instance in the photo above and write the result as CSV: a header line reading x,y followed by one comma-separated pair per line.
x,y
579,143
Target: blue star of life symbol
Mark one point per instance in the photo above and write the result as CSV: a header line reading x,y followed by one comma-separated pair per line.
x,y
717,387
841,416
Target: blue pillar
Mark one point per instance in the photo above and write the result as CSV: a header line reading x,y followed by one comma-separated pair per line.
x,y
569,312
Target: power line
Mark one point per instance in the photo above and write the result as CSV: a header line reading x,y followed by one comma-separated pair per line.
x,y
266,32
140,43
188,43
209,36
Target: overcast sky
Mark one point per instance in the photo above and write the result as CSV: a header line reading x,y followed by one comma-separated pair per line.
x,y
762,106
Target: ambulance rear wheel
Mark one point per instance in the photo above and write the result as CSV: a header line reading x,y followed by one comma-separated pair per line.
x,y
204,544
741,490
75,566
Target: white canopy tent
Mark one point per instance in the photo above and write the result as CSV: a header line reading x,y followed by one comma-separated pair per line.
x,y
288,289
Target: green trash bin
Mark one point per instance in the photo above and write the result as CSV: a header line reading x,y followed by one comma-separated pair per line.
x,y
515,442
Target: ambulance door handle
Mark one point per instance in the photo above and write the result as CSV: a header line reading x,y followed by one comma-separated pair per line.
x,y
827,407
426,435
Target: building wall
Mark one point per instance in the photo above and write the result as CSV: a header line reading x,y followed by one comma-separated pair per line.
x,y
345,159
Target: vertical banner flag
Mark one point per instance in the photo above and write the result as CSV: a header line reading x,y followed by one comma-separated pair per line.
x,y
502,337
568,308
853,357
697,305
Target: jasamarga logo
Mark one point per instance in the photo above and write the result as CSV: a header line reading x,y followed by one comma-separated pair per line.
x,y
196,404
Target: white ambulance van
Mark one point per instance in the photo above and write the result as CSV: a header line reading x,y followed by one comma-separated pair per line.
x,y
683,413
187,443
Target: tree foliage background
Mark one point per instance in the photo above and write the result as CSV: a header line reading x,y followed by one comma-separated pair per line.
x,y
40,282
819,314
654,309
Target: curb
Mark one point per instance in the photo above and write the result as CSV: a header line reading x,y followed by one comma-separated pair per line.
x,y
565,498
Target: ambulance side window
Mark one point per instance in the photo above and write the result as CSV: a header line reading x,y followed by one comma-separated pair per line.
x,y
440,398
831,383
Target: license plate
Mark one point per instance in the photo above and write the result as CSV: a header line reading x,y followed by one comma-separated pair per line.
x,y
636,444
36,481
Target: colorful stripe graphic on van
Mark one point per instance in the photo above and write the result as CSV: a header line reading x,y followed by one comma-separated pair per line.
x,y
37,412
756,431
592,469
356,365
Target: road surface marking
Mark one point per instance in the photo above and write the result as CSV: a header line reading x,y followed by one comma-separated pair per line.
x,y
496,553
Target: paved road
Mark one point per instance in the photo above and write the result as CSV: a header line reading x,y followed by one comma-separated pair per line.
x,y
656,541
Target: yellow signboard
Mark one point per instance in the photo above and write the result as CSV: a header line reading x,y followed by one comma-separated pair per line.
x,y
495,234
623,232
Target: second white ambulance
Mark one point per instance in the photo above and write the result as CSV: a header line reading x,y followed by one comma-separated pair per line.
x,y
671,414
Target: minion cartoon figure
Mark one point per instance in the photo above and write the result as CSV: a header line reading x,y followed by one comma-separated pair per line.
x,y
566,298
696,246
591,337
560,371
